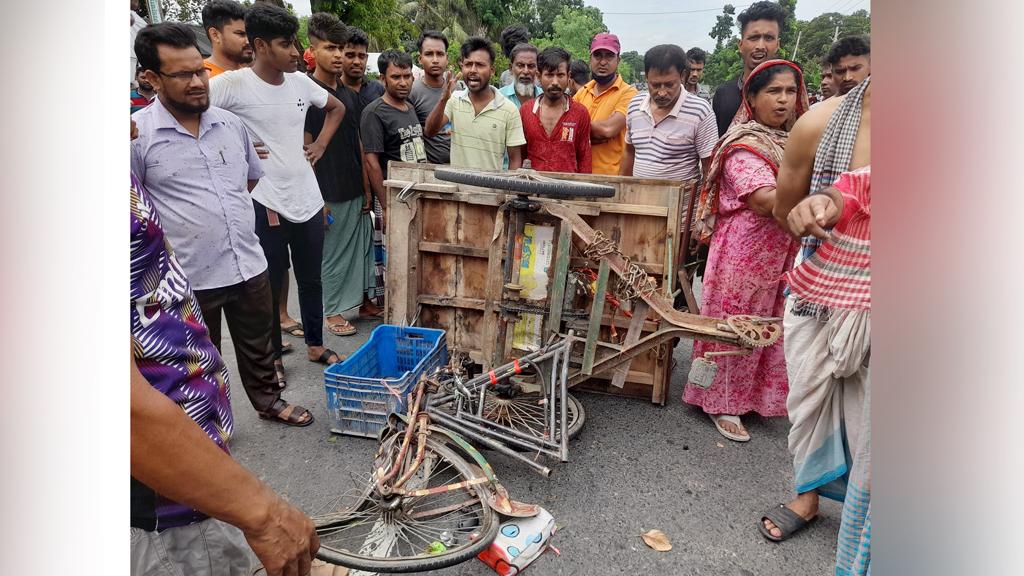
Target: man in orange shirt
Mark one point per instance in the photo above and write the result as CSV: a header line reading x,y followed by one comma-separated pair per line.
x,y
224,22
607,98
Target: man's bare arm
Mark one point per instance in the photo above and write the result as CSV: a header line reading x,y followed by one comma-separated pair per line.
x,y
173,456
515,157
335,113
610,127
626,165
794,177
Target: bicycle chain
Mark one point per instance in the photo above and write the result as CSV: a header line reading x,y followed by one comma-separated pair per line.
x,y
541,310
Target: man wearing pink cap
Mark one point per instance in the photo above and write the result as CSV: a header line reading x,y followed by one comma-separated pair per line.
x,y
606,98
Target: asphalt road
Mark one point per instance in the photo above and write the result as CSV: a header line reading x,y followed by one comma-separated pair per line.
x,y
634,467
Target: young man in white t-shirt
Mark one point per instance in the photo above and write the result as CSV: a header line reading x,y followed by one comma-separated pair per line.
x,y
271,99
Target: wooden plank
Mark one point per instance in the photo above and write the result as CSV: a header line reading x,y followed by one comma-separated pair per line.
x,y
400,185
687,288
452,301
594,330
636,324
649,267
492,293
454,249
620,208
564,249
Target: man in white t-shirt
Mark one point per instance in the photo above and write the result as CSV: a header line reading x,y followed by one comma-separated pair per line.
x,y
271,99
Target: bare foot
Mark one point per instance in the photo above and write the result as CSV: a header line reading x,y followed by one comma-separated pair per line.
x,y
369,309
806,505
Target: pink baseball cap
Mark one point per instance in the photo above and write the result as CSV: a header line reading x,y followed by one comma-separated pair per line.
x,y
605,41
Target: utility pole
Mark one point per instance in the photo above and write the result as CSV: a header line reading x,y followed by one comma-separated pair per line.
x,y
797,47
155,16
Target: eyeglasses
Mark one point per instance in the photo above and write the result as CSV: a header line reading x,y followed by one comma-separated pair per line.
x,y
187,74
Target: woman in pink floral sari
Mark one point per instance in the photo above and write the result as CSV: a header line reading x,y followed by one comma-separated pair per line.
x,y
748,251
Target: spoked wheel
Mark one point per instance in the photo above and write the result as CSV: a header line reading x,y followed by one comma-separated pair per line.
x,y
528,413
411,533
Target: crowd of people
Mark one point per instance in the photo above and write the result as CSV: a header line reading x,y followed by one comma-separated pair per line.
x,y
243,166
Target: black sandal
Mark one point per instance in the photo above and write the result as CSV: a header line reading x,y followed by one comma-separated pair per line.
x,y
787,521
325,357
285,413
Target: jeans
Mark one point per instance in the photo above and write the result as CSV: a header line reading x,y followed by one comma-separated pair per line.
x,y
306,243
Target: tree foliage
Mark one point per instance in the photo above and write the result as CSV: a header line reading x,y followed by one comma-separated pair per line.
x,y
573,29
382,20
722,32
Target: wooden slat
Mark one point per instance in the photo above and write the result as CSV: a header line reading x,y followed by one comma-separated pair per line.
x,y
594,330
453,301
636,324
650,267
400,185
564,249
455,249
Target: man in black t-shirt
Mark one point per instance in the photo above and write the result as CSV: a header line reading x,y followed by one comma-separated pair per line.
x,y
759,41
347,268
390,128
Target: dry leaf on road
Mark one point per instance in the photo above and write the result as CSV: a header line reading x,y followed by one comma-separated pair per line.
x,y
656,539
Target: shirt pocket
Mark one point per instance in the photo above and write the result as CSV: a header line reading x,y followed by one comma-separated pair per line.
x,y
228,164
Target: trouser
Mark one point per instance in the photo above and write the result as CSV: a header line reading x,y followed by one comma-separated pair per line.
x,y
305,241
250,315
207,548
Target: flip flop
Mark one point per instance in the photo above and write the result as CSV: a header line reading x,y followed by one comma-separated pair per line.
x,y
286,347
344,328
293,330
325,357
787,521
730,435
285,413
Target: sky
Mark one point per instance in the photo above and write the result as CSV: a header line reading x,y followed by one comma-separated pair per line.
x,y
640,24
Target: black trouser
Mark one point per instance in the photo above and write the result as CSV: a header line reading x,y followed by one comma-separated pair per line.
x,y
306,241
250,317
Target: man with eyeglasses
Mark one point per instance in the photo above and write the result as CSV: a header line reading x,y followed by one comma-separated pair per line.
x,y
199,165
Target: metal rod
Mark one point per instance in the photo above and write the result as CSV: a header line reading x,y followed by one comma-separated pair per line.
x,y
564,455
538,443
497,446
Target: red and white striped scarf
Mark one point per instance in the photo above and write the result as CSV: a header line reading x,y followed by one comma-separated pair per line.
x,y
838,274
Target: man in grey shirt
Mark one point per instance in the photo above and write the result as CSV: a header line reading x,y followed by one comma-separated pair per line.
x,y
433,50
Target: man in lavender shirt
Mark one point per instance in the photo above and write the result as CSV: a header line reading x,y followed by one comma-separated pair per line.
x,y
199,165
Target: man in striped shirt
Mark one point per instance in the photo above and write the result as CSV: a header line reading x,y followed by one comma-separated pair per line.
x,y
670,133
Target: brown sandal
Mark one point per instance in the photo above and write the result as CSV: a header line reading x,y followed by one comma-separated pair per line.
x,y
290,414
343,328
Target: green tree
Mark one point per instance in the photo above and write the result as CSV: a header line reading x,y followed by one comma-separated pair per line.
x,y
816,39
542,19
788,34
631,65
722,32
456,19
573,30
497,14
381,19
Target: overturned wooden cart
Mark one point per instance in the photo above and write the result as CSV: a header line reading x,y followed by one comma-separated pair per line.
x,y
504,272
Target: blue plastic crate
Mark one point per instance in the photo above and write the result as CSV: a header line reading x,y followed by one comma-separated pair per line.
x,y
358,403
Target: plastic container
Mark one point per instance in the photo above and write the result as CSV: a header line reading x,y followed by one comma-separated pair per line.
x,y
358,401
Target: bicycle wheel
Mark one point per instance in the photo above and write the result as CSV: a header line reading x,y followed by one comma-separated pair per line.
x,y
411,533
527,413
510,181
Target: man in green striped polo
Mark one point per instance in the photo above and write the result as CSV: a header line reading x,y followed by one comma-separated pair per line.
x,y
485,124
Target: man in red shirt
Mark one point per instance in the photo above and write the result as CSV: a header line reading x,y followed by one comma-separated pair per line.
x,y
557,128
